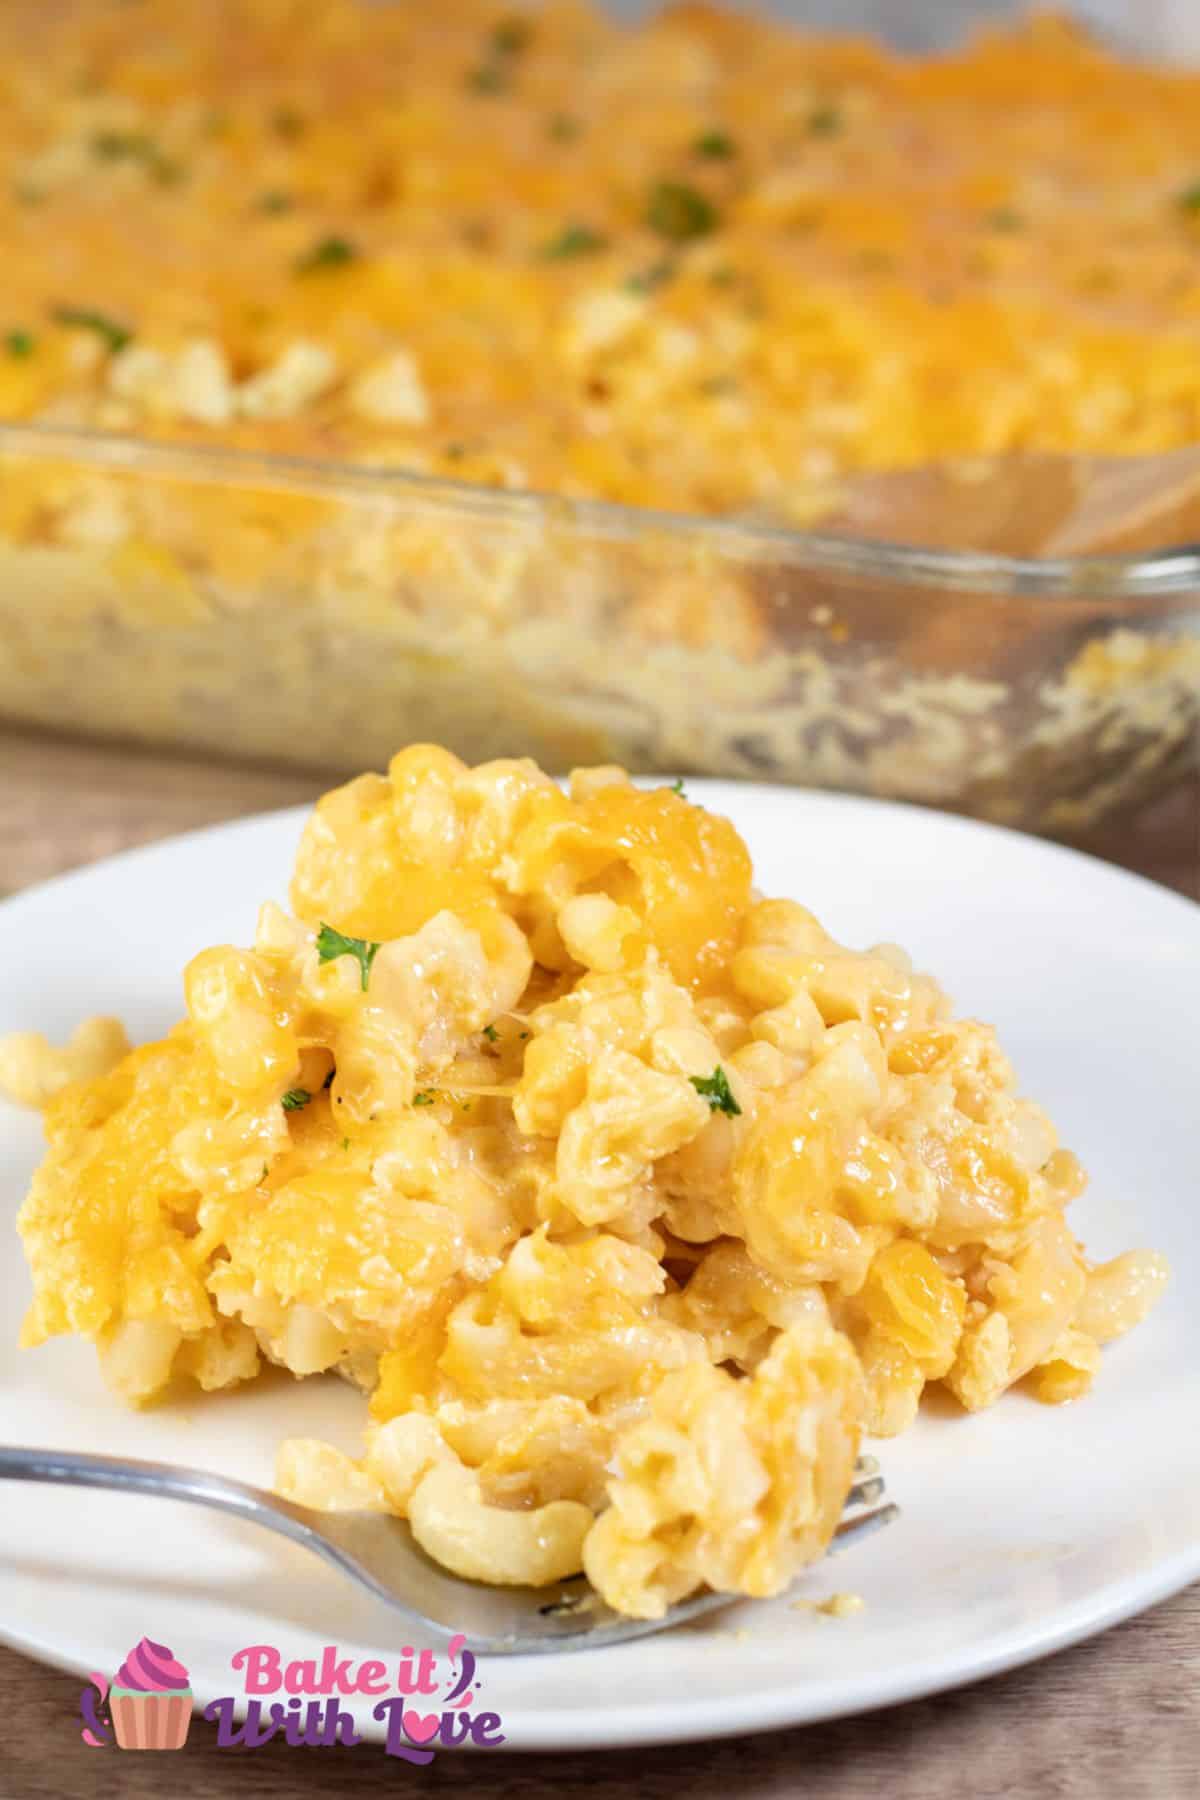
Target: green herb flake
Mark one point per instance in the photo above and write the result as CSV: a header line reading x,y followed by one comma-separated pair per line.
x,y
345,1143
425,1098
122,146
274,201
677,787
490,1033
1003,218
511,36
716,1090
331,944
825,121
295,1098
646,281
287,123
488,78
716,146
574,240
329,253
263,1176
1188,199
83,318
680,213
136,146
563,128
19,344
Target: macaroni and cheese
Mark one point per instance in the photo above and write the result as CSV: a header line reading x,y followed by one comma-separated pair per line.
x,y
629,1196
701,263
704,262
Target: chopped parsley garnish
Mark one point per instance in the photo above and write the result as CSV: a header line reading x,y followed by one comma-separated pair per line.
x,y
656,276
717,146
488,78
677,787
825,121
574,240
508,39
116,146
1003,218
83,318
295,1098
135,146
275,201
345,1143
125,146
679,212
716,1090
425,1098
331,944
1189,198
490,1033
563,128
19,343
287,123
329,253
511,36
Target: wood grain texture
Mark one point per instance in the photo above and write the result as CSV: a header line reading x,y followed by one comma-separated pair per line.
x,y
1119,1716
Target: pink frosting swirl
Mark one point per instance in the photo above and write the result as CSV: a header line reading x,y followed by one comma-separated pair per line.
x,y
151,1669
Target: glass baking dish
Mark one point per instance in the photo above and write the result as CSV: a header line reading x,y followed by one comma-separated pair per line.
x,y
272,608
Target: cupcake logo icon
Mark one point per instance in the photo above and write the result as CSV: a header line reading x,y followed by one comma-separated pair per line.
x,y
147,1706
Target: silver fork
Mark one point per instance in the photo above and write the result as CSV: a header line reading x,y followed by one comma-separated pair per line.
x,y
379,1552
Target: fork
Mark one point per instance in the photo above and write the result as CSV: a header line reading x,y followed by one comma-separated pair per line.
x,y
380,1553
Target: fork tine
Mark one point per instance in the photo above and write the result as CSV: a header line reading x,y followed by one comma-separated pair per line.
x,y
585,1623
864,1525
866,1493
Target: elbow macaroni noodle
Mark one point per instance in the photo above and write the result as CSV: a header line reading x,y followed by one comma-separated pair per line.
x,y
629,1197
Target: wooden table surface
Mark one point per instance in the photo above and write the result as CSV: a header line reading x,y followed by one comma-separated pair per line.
x,y
1119,1716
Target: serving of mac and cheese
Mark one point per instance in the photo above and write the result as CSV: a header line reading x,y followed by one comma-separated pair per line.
x,y
629,1196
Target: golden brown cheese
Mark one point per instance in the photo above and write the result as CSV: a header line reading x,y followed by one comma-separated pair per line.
x,y
705,263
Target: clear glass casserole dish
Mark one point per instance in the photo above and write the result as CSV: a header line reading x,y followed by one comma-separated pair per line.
x,y
268,607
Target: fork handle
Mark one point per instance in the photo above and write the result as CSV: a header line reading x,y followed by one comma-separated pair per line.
x,y
70,1468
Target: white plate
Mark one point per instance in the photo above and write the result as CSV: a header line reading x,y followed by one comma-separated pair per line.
x,y
1023,1529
